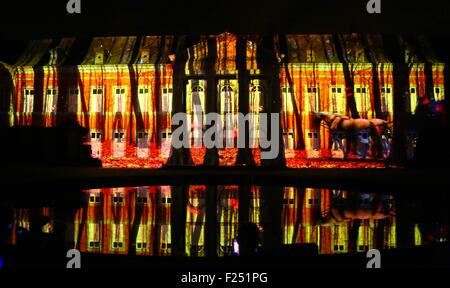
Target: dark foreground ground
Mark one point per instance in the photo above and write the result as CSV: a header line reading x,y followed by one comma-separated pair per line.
x,y
431,256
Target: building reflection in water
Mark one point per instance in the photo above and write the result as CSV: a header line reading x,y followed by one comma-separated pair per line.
x,y
138,220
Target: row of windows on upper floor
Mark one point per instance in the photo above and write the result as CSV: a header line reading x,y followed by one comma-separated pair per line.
x,y
336,94
96,104
118,199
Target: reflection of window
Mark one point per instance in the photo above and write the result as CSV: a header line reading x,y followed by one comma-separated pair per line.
x,y
166,101
50,101
141,200
363,247
117,198
28,100
96,100
290,201
119,99
288,95
141,195
144,98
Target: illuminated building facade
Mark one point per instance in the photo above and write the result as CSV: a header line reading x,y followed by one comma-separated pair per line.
x,y
122,89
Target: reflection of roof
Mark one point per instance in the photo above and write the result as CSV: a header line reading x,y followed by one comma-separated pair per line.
x,y
312,48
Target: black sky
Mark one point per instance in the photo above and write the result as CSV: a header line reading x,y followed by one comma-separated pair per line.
x,y
35,19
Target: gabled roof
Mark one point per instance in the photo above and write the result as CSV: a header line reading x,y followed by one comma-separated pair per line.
x,y
311,49
300,48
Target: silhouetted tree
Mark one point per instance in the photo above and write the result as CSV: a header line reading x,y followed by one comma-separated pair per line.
x,y
244,155
179,156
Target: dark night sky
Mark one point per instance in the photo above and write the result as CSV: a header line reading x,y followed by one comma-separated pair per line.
x,y
37,19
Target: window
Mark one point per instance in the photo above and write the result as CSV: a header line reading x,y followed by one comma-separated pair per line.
x,y
337,100
312,99
120,99
166,135
439,93
118,144
117,236
96,104
28,100
119,136
288,95
142,144
313,139
95,135
226,99
142,139
117,245
141,195
94,244
256,99
73,101
144,93
413,99
50,101
362,99
96,143
166,101
288,138
197,116
386,99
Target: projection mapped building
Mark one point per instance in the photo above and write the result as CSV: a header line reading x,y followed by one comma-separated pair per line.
x,y
125,90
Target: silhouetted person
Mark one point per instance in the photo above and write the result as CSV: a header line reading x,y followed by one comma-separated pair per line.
x,y
429,127
248,239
